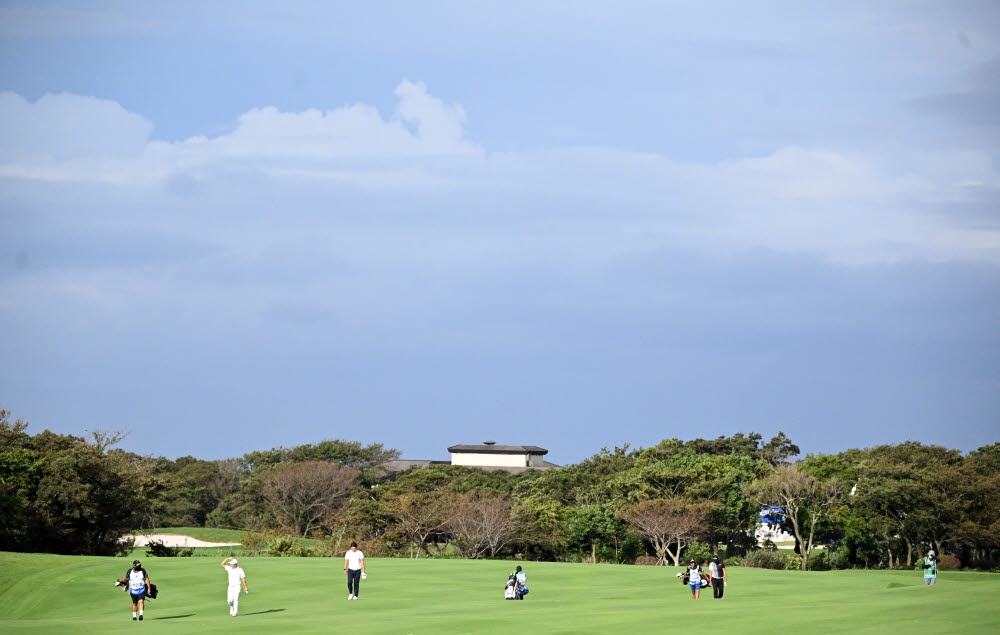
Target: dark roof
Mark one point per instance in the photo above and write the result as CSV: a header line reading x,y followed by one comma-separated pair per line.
x,y
499,449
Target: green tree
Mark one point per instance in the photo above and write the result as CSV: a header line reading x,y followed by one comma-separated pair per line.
x,y
89,498
20,469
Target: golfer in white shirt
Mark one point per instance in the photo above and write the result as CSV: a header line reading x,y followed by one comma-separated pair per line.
x,y
354,567
236,575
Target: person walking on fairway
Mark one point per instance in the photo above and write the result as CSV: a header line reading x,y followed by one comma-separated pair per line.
x,y
717,574
931,568
136,581
236,575
354,567
695,572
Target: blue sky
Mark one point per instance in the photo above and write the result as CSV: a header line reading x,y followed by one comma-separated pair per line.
x,y
571,225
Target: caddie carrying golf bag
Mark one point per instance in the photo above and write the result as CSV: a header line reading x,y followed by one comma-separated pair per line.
x,y
510,591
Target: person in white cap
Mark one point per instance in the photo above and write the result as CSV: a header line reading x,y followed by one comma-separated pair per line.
x,y
236,575
354,567
930,568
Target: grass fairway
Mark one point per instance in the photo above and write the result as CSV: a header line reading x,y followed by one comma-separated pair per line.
x,y
73,594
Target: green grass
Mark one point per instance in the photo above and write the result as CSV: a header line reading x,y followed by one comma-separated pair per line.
x,y
74,594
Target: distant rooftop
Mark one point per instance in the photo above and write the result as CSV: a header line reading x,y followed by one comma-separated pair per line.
x,y
487,456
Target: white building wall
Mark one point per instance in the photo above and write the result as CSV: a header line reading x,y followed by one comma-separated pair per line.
x,y
505,460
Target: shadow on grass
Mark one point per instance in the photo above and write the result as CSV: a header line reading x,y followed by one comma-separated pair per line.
x,y
174,617
263,612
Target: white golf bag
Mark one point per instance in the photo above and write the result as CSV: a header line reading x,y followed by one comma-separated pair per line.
x,y
510,591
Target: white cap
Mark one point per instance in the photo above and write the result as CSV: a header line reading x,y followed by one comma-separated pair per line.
x,y
233,561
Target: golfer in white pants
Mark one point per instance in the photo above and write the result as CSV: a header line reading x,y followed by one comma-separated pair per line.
x,y
236,576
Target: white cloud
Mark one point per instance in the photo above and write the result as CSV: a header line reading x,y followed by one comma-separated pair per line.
x,y
62,127
576,205
351,132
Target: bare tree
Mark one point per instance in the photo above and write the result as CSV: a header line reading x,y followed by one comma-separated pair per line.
x,y
480,524
802,498
421,515
667,523
301,494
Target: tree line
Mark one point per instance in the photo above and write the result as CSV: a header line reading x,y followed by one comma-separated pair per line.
x,y
875,507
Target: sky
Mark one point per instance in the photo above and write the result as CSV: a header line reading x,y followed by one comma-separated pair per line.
x,y
567,224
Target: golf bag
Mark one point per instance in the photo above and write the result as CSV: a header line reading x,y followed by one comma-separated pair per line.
x,y
510,591
685,579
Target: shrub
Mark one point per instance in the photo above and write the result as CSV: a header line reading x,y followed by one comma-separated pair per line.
x,y
125,546
646,560
839,557
763,559
949,563
334,547
793,561
701,552
379,547
819,560
287,547
160,550
254,543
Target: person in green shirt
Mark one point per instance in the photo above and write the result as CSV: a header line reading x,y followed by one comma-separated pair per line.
x,y
931,568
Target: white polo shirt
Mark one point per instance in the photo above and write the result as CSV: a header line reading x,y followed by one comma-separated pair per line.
x,y
354,559
234,576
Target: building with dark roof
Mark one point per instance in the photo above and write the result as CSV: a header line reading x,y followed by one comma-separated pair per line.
x,y
487,456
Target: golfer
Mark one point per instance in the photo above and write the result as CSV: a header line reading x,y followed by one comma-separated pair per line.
x,y
136,581
930,568
695,572
354,567
717,574
236,575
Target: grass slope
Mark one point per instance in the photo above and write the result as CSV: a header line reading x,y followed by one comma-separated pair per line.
x,y
211,534
48,593
208,534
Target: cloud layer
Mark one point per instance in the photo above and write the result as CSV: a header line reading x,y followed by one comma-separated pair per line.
x,y
885,205
394,265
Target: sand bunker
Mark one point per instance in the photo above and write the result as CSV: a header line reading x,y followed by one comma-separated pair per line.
x,y
175,540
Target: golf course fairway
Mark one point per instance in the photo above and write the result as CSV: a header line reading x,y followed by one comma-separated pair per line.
x,y
43,593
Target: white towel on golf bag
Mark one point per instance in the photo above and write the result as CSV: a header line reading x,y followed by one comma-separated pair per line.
x,y
510,592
